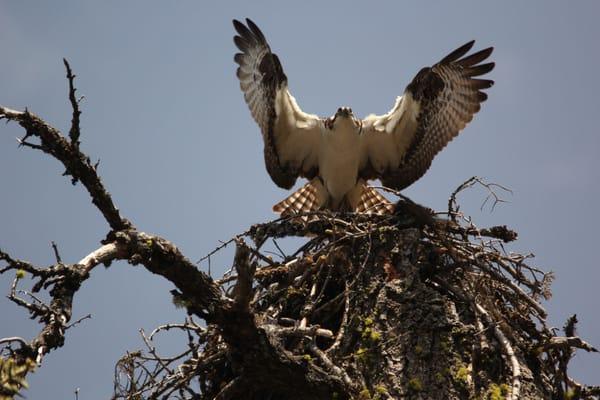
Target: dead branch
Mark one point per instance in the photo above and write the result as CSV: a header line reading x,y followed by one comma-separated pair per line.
x,y
75,131
453,208
566,343
77,164
508,350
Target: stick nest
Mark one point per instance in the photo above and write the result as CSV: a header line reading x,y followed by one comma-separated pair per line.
x,y
410,304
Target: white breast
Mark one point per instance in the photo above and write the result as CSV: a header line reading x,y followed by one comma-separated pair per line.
x,y
339,159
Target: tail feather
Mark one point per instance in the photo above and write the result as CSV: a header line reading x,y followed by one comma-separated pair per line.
x,y
307,198
313,196
373,202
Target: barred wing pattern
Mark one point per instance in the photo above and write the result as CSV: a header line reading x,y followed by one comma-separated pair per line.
x,y
291,137
398,147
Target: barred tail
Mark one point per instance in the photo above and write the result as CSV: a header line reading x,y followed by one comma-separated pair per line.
x,y
310,197
373,202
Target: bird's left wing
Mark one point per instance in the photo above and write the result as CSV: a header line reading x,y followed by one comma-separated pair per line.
x,y
291,136
398,147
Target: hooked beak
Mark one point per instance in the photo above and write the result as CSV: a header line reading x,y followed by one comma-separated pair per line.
x,y
344,112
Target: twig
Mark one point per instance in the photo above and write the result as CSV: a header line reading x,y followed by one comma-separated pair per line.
x,y
342,328
185,327
14,339
328,364
75,131
281,252
453,206
24,143
226,391
18,264
152,351
89,316
56,253
217,249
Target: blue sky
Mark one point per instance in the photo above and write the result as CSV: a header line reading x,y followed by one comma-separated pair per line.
x,y
183,159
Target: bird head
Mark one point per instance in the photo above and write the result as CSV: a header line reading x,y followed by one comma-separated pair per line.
x,y
344,112
343,115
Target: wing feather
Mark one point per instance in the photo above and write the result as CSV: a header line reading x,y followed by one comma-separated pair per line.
x,y
439,102
458,53
291,137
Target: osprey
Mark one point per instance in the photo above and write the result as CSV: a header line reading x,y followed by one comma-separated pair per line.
x,y
339,154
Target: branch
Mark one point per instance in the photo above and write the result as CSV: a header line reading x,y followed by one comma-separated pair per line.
x,y
562,342
77,164
299,331
102,255
75,131
66,280
245,275
453,207
330,366
197,290
14,339
17,264
157,254
508,351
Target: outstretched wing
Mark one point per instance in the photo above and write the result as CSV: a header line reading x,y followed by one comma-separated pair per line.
x,y
398,147
291,137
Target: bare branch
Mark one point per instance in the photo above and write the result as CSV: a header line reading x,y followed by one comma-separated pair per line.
x,y
329,365
75,131
245,275
453,207
566,343
103,255
22,341
299,331
17,264
80,320
508,350
184,327
56,253
77,164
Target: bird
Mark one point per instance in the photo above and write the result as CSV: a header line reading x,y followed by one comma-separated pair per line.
x,y
339,155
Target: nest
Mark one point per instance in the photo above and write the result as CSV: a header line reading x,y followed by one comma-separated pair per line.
x,y
413,305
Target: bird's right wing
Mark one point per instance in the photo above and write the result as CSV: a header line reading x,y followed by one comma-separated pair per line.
x,y
291,136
